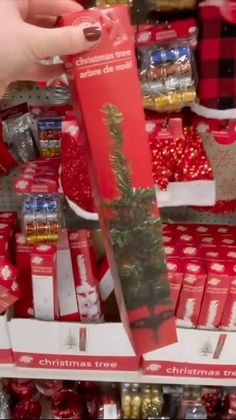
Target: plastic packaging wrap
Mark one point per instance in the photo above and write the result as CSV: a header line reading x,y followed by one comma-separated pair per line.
x,y
50,135
41,217
19,134
168,76
170,5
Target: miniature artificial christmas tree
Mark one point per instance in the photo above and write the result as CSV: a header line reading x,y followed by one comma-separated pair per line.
x,y
136,235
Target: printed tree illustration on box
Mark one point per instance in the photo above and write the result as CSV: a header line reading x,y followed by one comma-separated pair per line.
x,y
70,340
135,234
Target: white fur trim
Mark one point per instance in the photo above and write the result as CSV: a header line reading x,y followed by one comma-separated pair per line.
x,y
77,209
203,111
80,212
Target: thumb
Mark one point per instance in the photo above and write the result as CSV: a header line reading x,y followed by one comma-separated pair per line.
x,y
61,41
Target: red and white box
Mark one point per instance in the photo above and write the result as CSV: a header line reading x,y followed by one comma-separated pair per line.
x,y
202,355
68,306
4,246
71,346
9,288
185,238
175,277
44,281
215,294
189,251
191,293
228,321
168,239
171,250
113,72
27,184
84,268
224,230
105,280
202,229
183,228
211,253
24,307
228,253
8,217
6,229
226,240
206,240
6,356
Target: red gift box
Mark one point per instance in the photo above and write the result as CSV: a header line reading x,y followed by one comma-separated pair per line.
x,y
215,294
189,251
9,288
175,276
120,170
84,268
44,281
228,320
191,293
185,238
211,253
24,307
105,280
171,250
228,253
66,286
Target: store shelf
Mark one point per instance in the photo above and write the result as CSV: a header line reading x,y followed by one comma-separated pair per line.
x,y
9,371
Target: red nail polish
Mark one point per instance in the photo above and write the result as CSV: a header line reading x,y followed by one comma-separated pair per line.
x,y
92,33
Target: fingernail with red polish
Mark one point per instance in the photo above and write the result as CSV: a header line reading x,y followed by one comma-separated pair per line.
x,y
92,33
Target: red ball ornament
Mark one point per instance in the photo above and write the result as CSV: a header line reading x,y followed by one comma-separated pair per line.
x,y
24,389
27,410
66,404
49,388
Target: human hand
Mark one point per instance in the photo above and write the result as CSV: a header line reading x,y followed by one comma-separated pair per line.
x,y
28,35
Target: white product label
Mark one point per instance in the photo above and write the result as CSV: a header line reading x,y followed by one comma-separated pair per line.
x,y
110,411
106,285
66,288
43,297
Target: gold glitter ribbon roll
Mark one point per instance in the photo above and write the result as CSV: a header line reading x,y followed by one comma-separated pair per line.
x,y
172,101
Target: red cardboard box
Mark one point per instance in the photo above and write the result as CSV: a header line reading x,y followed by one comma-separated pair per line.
x,y
189,251
191,294
171,251
228,320
215,294
211,253
67,298
84,267
202,229
9,288
206,240
183,228
24,307
175,276
44,280
228,253
120,169
183,238
226,240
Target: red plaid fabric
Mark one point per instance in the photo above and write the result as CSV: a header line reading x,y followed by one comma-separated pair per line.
x,y
217,60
